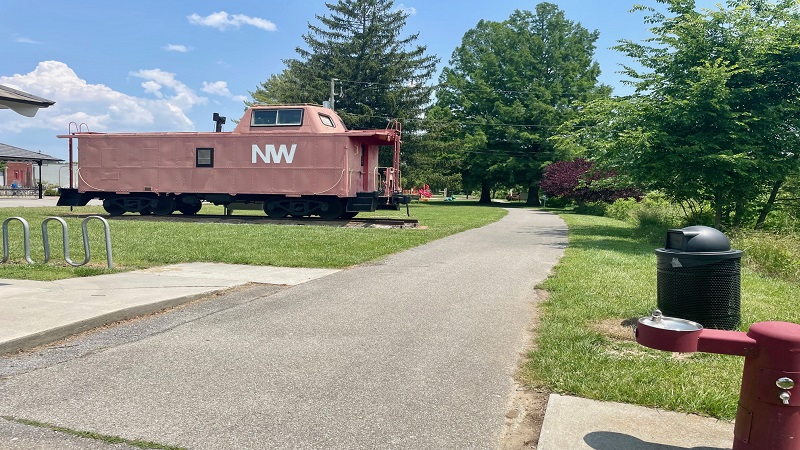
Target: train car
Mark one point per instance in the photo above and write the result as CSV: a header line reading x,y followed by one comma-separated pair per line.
x,y
289,160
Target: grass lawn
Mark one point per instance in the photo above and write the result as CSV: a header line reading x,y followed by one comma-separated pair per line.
x,y
585,346
138,244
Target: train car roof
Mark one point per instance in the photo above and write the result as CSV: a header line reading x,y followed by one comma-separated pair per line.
x,y
292,119
303,118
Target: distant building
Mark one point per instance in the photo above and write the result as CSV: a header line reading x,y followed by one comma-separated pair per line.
x,y
57,174
20,168
19,174
19,162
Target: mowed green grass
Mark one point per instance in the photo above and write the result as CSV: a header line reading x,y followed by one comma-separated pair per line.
x,y
585,344
138,244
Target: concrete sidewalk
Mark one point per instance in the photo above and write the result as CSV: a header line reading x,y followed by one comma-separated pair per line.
x,y
33,313
577,423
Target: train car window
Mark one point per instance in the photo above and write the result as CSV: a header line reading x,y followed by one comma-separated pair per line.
x,y
290,117
263,117
327,121
205,157
276,117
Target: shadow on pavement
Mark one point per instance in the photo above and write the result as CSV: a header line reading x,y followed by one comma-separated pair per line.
x,y
605,440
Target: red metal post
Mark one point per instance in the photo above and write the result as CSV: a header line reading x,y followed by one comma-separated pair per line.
x,y
69,131
769,403
768,417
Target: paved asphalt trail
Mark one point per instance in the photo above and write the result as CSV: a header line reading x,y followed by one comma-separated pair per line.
x,y
416,351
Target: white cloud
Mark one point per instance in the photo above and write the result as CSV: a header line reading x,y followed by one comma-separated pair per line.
x,y
184,98
151,87
222,20
100,107
24,40
217,88
410,10
177,48
221,88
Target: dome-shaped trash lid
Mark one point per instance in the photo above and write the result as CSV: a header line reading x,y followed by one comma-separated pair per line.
x,y
697,239
699,277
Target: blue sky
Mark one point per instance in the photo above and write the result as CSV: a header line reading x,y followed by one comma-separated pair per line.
x,y
168,65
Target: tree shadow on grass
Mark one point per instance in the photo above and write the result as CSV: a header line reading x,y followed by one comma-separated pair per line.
x,y
624,239
474,203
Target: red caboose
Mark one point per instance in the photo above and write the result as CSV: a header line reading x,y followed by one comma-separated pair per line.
x,y
296,160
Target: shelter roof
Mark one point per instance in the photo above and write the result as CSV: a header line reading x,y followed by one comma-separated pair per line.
x,y
11,153
22,102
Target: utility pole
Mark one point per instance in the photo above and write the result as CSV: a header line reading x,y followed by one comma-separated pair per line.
x,y
333,91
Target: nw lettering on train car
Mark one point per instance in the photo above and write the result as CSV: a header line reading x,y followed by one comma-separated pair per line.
x,y
271,155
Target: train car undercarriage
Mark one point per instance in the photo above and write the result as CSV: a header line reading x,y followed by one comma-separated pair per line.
x,y
274,206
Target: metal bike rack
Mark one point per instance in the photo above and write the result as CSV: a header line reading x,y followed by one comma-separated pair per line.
x,y
65,239
26,237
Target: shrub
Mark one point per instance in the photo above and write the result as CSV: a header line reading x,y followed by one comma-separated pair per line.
x,y
592,208
558,202
652,216
579,180
783,220
624,209
770,254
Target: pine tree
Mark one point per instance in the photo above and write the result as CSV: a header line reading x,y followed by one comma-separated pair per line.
x,y
380,75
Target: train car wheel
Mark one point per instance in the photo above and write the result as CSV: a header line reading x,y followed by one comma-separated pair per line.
x,y
299,208
349,215
113,206
334,210
164,206
189,205
274,209
146,211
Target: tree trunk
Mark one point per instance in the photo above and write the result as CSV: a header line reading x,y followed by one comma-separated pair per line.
x,y
718,215
738,214
533,196
486,192
762,217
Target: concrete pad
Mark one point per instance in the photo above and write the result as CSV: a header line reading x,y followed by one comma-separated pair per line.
x,y
578,423
34,313
256,274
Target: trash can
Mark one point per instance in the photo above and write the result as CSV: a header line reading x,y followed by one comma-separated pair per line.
x,y
699,277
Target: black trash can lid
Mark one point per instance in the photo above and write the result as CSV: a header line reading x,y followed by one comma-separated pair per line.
x,y
697,239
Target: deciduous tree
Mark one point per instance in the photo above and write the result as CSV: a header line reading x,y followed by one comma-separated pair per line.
x,y
715,114
509,85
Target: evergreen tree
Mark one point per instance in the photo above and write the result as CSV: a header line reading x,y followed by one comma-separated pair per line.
x,y
380,75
